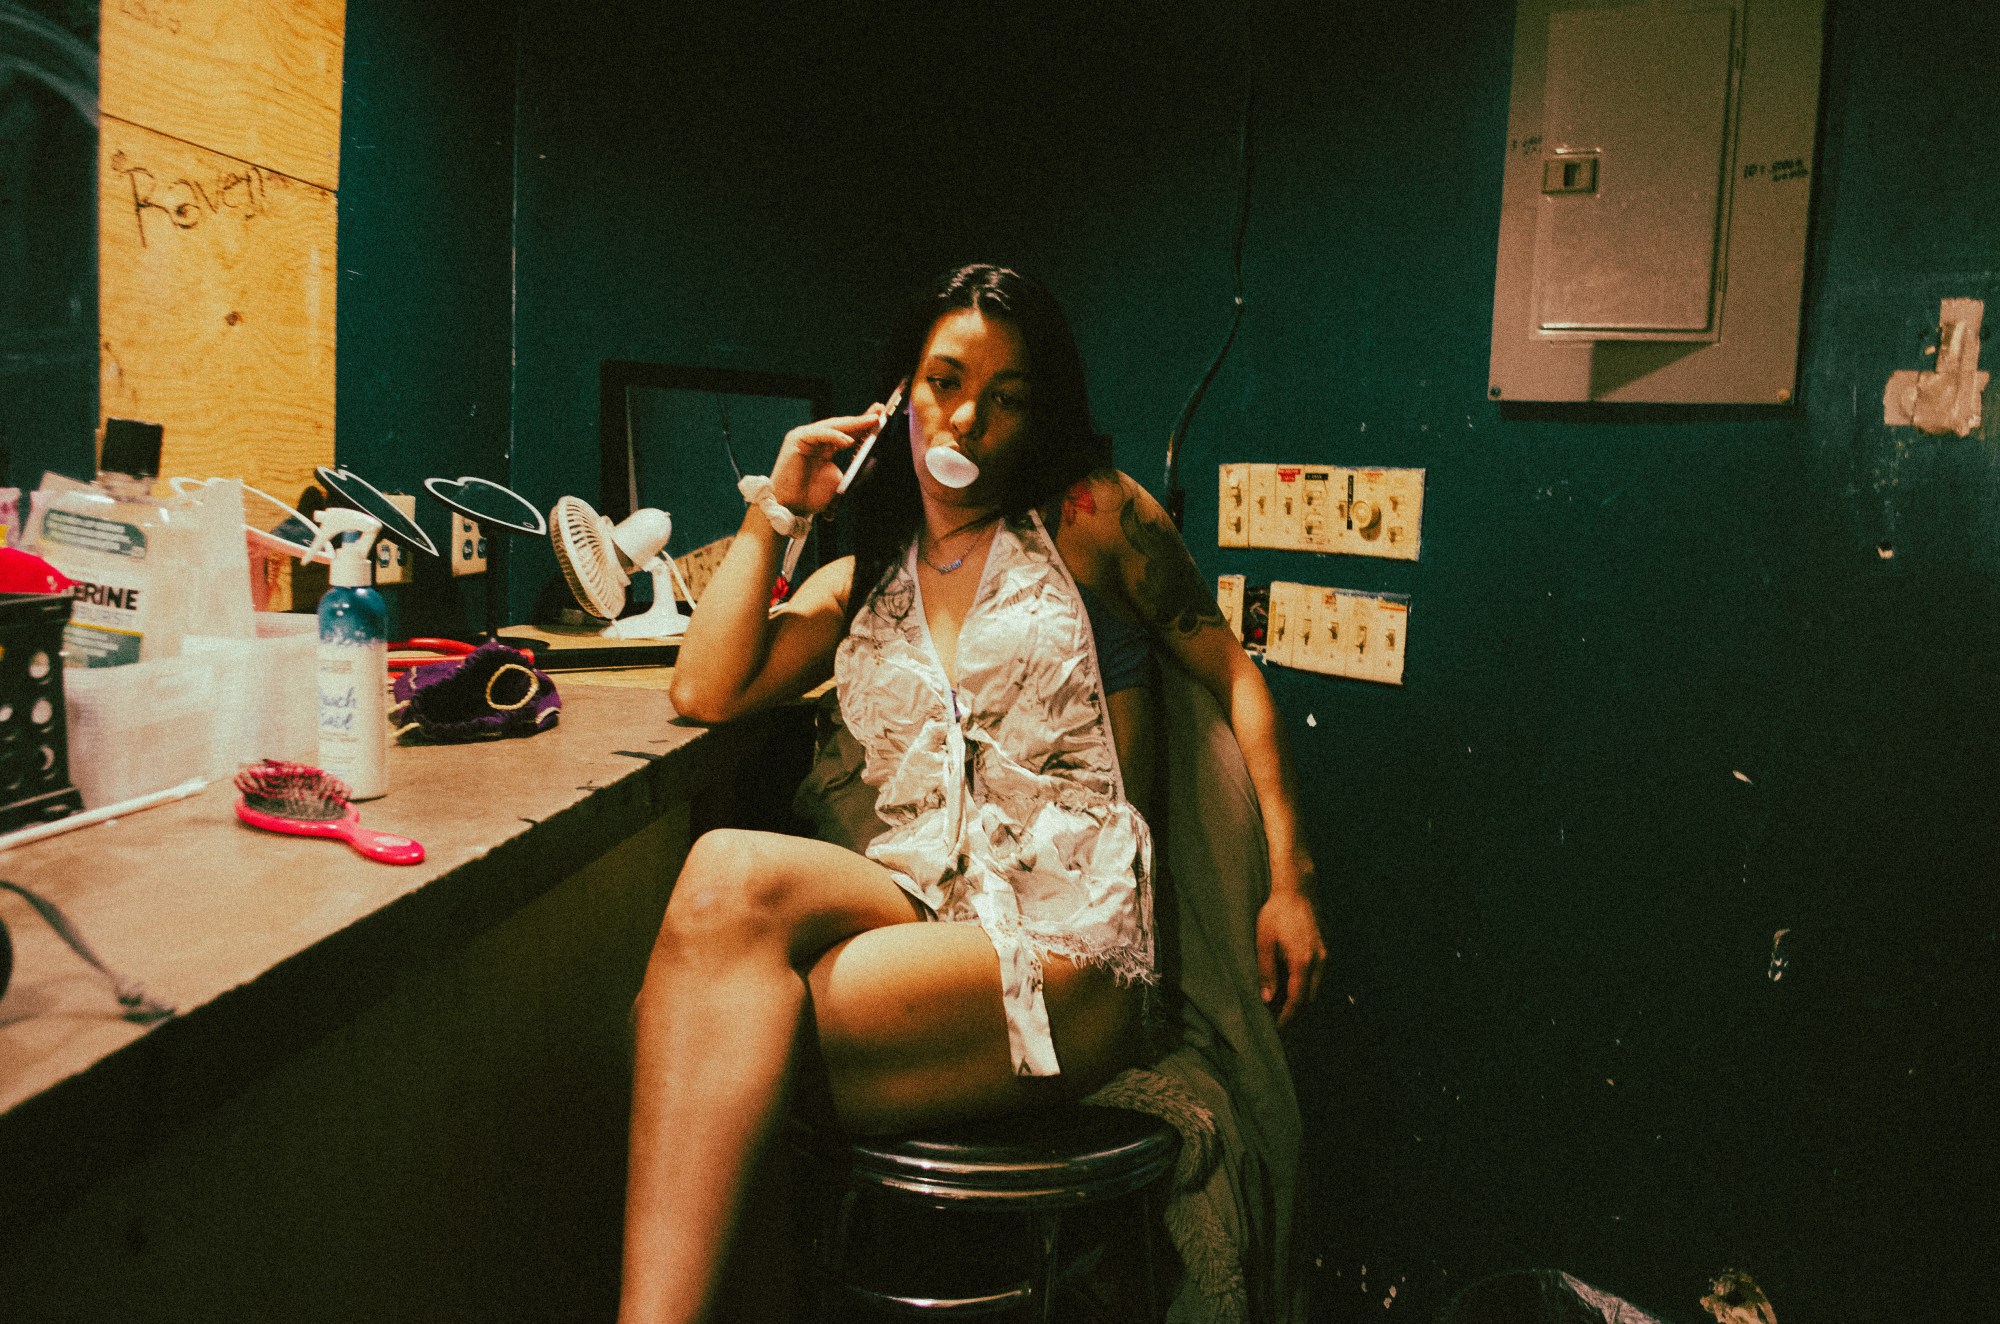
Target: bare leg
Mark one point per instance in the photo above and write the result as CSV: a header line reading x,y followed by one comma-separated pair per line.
x,y
716,1019
908,1022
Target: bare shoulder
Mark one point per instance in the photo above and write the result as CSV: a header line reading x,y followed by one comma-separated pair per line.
x,y
1090,507
1114,535
1087,524
1158,574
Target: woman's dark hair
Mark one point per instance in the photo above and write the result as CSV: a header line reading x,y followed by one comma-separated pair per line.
x,y
1059,446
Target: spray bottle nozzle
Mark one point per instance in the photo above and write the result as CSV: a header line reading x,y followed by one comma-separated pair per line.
x,y
352,561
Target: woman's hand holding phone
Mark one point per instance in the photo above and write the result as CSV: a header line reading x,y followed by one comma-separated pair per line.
x,y
807,474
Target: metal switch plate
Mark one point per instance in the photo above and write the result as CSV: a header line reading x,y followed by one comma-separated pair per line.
x,y
1322,508
1339,632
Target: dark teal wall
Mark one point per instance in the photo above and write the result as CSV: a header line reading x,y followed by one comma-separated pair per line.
x,y
698,185
1667,694
426,267
1552,896
48,244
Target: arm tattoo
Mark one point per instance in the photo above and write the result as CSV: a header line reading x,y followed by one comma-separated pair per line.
x,y
1079,501
1171,591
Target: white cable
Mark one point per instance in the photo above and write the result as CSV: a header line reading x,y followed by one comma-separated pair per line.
x,y
25,835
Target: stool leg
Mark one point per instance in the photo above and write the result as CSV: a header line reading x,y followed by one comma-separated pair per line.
x,y
830,1253
1048,1225
1147,1223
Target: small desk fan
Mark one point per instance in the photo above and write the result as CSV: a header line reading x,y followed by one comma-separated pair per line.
x,y
598,559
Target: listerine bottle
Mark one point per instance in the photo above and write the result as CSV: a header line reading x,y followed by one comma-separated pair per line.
x,y
129,553
353,657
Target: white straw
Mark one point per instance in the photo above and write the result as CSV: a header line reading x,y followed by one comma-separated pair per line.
x,y
90,816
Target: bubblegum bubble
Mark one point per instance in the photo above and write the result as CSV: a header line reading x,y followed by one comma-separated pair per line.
x,y
951,467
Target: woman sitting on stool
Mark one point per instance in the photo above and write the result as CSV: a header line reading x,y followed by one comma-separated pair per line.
x,y
991,950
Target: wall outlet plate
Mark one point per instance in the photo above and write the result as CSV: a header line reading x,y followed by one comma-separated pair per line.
x,y
392,559
468,547
1229,596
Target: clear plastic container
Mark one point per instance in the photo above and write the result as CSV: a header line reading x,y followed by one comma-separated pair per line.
x,y
143,727
283,707
267,698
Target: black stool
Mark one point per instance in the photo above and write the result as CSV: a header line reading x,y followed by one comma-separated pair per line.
x,y
977,1220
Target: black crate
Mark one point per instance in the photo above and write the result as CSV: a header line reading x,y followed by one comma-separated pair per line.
x,y
34,745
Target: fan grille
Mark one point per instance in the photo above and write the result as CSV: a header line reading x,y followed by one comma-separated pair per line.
x,y
588,562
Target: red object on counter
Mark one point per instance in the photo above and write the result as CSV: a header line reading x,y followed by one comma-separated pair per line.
x,y
24,572
433,650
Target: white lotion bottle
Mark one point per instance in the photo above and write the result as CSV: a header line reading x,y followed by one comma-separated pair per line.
x,y
353,658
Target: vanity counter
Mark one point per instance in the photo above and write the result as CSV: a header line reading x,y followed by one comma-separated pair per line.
x,y
272,947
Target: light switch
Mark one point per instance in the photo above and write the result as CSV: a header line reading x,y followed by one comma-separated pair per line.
x,y
1289,502
1382,624
1263,504
1233,508
1281,636
1320,638
1319,528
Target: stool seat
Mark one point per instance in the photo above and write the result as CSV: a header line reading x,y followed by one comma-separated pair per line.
x,y
1064,1156
920,1223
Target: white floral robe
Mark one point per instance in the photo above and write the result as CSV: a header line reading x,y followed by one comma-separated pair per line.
x,y
1002,796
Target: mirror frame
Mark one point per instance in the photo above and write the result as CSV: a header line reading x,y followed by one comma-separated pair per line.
x,y
616,377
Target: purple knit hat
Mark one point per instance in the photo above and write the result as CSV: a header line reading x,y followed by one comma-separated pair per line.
x,y
493,692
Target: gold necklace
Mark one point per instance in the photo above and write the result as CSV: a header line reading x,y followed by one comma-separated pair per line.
x,y
951,566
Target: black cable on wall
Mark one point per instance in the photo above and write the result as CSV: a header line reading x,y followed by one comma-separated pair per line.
x,y
1175,494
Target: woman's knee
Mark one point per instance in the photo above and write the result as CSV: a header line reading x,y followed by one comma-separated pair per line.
x,y
731,895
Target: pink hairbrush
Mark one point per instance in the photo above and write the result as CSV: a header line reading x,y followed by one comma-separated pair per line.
x,y
304,801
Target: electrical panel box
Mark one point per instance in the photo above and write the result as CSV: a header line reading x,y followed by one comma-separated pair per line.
x,y
1654,204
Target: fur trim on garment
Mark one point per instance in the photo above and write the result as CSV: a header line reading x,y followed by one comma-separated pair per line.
x,y
1209,1255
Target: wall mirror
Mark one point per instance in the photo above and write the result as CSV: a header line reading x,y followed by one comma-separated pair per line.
x,y
48,239
669,434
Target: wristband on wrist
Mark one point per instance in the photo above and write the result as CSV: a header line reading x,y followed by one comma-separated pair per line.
x,y
785,522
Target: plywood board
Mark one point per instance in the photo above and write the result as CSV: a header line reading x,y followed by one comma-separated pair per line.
x,y
216,292
258,80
